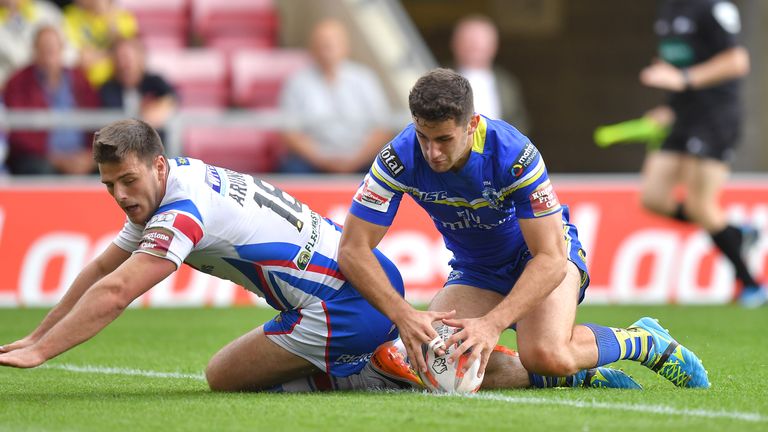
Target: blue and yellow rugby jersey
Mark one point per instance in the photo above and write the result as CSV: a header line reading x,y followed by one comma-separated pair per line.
x,y
475,209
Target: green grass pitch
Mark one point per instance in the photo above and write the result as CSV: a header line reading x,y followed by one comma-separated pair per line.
x,y
67,395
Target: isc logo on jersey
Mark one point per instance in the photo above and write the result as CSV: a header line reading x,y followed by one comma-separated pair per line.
x,y
373,195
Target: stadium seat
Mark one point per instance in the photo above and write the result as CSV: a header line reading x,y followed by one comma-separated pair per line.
x,y
199,75
248,150
258,75
229,44
163,24
232,24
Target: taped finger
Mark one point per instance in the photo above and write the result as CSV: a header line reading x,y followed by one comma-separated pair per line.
x,y
436,343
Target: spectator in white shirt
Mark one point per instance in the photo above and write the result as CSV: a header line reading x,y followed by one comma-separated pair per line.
x,y
344,106
496,91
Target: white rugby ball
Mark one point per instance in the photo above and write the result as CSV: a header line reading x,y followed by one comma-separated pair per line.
x,y
444,377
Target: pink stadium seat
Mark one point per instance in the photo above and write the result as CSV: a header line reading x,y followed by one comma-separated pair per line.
x,y
162,23
246,150
162,42
199,75
230,44
258,76
230,24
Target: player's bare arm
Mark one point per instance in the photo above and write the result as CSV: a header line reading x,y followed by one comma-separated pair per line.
x,y
101,266
545,271
360,266
305,147
730,64
98,307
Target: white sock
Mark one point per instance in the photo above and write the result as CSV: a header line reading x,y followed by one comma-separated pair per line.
x,y
320,382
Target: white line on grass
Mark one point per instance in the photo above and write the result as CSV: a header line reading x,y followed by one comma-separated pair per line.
x,y
123,371
648,409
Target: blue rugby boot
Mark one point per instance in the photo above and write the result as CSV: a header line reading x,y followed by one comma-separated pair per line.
x,y
604,377
669,359
599,377
753,296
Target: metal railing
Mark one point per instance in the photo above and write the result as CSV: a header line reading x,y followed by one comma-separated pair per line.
x,y
93,119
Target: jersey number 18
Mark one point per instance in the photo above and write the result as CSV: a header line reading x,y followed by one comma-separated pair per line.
x,y
288,207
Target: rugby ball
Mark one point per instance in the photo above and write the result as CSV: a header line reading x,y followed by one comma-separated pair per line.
x,y
444,377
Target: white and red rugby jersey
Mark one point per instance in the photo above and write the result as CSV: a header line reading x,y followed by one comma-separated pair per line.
x,y
242,229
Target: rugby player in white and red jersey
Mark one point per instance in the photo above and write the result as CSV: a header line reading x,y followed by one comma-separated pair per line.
x,y
235,227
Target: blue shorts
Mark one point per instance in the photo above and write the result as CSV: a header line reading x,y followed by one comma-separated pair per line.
x,y
501,278
337,335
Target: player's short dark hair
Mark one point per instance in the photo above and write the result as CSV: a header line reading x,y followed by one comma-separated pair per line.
x,y
441,94
113,142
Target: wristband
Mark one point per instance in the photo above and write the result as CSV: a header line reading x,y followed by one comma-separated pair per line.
x,y
687,85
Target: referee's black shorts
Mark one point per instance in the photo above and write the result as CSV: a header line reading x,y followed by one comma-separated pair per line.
x,y
706,134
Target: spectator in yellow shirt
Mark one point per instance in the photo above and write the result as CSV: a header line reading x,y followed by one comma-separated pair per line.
x,y
19,22
91,27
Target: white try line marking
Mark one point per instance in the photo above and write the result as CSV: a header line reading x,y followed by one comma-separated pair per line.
x,y
528,400
641,408
123,371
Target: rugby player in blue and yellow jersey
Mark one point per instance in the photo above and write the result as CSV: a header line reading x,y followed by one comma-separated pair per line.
x,y
517,258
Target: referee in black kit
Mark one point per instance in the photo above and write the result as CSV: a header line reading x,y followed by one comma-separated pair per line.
x,y
700,65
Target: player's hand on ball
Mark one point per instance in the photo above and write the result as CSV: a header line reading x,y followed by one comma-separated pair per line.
x,y
476,334
445,376
22,358
416,329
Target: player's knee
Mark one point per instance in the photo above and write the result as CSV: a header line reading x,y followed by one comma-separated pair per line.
x,y
212,378
217,378
700,210
549,360
652,202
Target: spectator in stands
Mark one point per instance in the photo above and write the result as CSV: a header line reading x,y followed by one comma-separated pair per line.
x,y
62,3
140,94
497,93
342,103
91,26
19,21
47,83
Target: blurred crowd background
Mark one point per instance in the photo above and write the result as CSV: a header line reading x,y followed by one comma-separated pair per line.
x,y
317,86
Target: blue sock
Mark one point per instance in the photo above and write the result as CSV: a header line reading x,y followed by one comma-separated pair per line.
x,y
541,381
614,344
608,348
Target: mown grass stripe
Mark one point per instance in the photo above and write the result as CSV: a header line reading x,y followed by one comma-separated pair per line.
x,y
528,400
